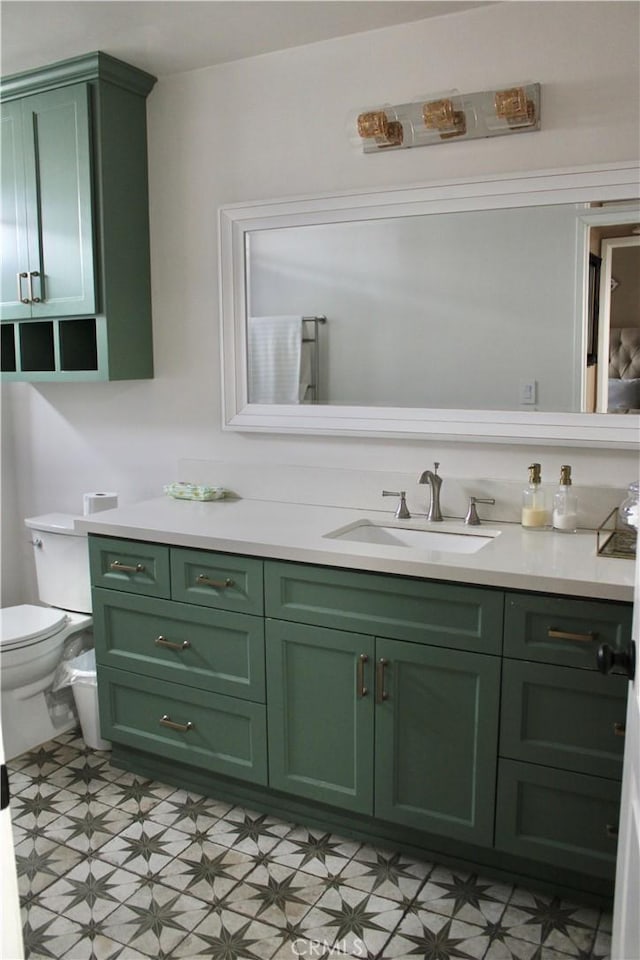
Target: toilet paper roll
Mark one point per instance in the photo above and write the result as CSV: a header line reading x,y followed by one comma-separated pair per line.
x,y
96,501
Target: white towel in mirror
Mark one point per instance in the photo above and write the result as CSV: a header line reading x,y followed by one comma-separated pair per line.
x,y
274,362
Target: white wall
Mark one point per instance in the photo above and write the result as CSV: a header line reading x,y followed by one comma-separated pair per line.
x,y
276,126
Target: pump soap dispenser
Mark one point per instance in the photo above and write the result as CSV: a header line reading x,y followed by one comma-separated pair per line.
x,y
534,509
565,504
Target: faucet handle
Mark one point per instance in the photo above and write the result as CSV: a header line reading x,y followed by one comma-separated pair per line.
x,y
472,518
402,512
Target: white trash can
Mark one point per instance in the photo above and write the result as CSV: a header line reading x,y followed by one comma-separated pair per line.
x,y
84,682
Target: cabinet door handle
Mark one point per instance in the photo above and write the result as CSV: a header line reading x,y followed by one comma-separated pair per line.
x,y
166,721
361,689
30,276
20,276
381,693
612,830
619,729
163,642
218,584
123,568
564,635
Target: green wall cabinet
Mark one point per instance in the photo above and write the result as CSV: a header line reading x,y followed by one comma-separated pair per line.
x,y
47,196
454,721
75,299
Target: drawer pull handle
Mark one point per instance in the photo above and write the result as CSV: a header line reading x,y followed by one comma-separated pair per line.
x,y
564,635
612,830
619,729
381,693
218,584
166,721
361,689
163,642
123,568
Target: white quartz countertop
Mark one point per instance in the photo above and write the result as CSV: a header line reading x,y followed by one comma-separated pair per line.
x,y
545,561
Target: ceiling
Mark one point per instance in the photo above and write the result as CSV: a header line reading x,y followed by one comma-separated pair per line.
x,y
171,36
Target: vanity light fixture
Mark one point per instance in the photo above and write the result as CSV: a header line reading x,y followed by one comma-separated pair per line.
x,y
449,116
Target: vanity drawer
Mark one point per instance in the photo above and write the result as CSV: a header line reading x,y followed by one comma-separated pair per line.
x,y
221,734
221,580
558,817
441,614
565,718
562,630
211,649
129,565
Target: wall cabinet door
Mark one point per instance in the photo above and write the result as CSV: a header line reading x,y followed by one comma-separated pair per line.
x,y
48,252
436,734
320,714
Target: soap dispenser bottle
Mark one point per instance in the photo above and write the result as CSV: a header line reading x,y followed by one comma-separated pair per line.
x,y
534,508
565,504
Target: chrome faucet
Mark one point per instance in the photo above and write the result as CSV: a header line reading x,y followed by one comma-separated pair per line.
x,y
435,482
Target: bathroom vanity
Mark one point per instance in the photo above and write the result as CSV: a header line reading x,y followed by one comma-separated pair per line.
x,y
446,704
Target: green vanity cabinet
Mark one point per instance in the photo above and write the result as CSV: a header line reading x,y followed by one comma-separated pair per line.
x,y
75,299
177,680
342,705
561,733
456,722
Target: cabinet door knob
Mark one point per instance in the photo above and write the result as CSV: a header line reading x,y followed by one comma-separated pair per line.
x,y
619,729
612,830
622,662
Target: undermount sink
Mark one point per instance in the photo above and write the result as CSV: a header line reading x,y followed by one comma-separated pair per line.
x,y
417,538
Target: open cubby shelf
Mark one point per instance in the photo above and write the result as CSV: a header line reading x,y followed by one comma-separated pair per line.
x,y
49,346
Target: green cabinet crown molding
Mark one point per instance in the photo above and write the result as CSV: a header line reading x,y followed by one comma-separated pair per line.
x,y
90,66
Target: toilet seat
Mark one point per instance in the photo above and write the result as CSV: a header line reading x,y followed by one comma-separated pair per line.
x,y
24,625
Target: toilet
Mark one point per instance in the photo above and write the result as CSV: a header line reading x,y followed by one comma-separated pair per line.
x,y
32,637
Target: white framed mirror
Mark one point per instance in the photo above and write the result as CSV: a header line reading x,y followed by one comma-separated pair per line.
x,y
459,309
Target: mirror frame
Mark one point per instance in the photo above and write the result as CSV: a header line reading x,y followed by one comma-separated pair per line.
x,y
580,185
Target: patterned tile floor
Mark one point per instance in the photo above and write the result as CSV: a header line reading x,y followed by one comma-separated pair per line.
x,y
113,867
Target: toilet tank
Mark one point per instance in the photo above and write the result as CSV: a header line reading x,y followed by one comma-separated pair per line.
x,y
62,562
